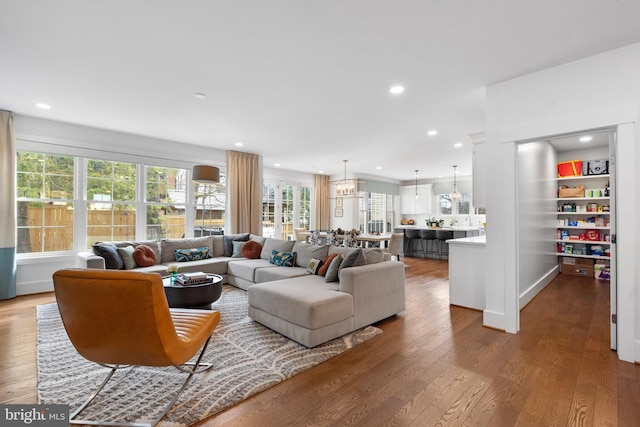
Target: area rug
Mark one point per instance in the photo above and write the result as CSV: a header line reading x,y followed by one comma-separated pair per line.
x,y
247,357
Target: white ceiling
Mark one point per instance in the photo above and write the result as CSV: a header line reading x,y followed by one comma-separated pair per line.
x,y
302,83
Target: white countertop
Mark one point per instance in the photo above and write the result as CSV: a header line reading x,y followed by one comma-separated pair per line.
x,y
454,228
475,241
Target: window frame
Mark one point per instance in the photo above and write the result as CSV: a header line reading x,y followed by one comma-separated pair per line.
x,y
81,157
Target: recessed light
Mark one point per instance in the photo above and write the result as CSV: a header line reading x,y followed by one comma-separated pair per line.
x,y
199,95
432,132
458,144
239,144
378,168
277,165
585,138
43,106
396,90
320,171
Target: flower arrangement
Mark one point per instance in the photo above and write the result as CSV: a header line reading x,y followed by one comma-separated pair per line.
x,y
173,270
434,223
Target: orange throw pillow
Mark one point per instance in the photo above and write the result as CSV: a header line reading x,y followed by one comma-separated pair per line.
x,y
325,265
144,256
251,249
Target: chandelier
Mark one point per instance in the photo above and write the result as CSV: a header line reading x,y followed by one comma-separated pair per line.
x,y
347,187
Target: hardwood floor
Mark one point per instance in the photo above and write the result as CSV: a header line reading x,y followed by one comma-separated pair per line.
x,y
434,365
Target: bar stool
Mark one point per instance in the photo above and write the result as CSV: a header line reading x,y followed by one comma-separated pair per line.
x,y
441,237
428,236
411,234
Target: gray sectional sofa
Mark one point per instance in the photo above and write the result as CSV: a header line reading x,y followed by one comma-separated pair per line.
x,y
291,300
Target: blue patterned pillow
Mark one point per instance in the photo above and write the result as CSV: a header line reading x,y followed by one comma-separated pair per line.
x,y
284,259
193,254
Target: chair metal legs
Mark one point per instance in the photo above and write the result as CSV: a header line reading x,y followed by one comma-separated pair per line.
x,y
198,367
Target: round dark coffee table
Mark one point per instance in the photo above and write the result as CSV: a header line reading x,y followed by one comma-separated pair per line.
x,y
193,296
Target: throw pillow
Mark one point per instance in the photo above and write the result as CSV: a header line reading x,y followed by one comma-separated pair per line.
x,y
228,242
109,252
126,253
354,259
193,254
313,265
284,259
322,271
332,272
144,256
237,249
251,249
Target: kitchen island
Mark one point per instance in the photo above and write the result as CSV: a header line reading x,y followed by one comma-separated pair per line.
x,y
432,249
467,272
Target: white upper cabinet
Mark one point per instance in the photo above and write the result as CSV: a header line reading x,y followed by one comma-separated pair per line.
x,y
409,204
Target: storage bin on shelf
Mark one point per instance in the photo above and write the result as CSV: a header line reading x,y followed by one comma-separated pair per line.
x,y
595,167
570,168
565,191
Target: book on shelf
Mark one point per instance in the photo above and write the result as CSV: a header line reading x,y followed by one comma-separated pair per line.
x,y
192,278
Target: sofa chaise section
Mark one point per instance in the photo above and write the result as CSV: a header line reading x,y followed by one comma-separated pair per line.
x,y
311,311
306,309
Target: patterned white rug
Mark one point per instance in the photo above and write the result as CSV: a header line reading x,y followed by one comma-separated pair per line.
x,y
248,358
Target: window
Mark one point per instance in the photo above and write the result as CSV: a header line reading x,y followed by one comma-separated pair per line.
x,y
45,202
285,206
463,203
288,209
210,208
110,201
376,211
166,195
111,195
446,206
305,207
268,210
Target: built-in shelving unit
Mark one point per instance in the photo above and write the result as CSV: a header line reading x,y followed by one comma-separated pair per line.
x,y
584,231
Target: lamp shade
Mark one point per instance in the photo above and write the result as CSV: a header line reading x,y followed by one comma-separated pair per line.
x,y
205,174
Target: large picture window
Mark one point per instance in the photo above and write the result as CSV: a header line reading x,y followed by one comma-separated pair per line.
x,y
45,202
111,201
68,203
210,208
166,195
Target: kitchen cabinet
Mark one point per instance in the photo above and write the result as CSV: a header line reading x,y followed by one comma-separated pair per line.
x,y
411,205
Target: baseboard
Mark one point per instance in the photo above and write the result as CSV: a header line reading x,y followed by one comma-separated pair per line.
x,y
636,353
34,287
530,294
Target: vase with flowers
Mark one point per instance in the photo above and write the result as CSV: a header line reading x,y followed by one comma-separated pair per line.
x,y
173,271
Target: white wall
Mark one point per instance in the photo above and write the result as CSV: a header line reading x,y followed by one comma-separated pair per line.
x,y
537,189
595,92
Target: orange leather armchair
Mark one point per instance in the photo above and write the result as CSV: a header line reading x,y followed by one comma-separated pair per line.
x,y
118,318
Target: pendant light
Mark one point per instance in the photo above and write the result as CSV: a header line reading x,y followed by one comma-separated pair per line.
x,y
417,197
455,195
